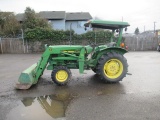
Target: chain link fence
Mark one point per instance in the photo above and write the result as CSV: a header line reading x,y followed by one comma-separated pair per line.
x,y
19,45
143,42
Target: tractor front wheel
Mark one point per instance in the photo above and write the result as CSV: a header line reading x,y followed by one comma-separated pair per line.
x,y
112,67
61,75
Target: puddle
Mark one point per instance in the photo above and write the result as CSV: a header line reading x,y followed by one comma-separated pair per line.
x,y
47,107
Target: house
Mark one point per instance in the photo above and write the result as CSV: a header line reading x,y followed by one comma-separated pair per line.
x,y
60,20
56,18
76,21
20,17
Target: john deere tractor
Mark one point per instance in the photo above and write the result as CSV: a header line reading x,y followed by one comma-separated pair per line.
x,y
105,60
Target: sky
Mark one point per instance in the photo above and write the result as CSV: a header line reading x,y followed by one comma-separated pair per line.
x,y
138,13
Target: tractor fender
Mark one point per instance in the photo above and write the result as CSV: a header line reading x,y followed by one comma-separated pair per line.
x,y
97,54
116,49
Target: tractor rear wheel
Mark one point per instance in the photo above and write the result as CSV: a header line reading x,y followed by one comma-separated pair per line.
x,y
112,67
61,75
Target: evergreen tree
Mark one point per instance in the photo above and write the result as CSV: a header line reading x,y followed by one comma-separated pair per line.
x,y
136,31
33,20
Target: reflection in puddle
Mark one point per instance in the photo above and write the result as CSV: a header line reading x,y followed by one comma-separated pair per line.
x,y
47,107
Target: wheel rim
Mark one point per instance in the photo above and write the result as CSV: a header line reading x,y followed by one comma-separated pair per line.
x,y
61,75
113,68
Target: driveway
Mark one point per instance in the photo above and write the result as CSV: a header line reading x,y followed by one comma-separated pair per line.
x,y
137,97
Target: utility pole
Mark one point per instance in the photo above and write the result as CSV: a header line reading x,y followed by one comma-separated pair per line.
x,y
144,28
154,26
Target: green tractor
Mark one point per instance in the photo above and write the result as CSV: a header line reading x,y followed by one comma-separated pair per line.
x,y
105,60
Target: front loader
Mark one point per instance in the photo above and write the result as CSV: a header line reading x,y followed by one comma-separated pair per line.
x,y
105,60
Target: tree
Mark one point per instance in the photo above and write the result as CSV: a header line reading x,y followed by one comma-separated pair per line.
x,y
33,20
9,26
136,31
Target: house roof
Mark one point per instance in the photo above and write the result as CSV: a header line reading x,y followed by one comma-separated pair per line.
x,y
55,15
20,16
52,14
78,16
45,14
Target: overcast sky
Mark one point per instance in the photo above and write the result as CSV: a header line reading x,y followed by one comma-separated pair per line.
x,y
138,13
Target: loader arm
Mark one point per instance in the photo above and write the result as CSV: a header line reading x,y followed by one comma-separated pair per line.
x,y
41,65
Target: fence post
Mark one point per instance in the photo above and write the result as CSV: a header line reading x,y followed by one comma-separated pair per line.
x,y
137,43
23,41
142,45
1,45
10,44
26,46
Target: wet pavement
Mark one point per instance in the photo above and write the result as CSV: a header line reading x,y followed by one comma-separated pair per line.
x,y
40,108
137,97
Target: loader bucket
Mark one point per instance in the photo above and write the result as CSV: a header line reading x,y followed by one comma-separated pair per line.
x,y
27,78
